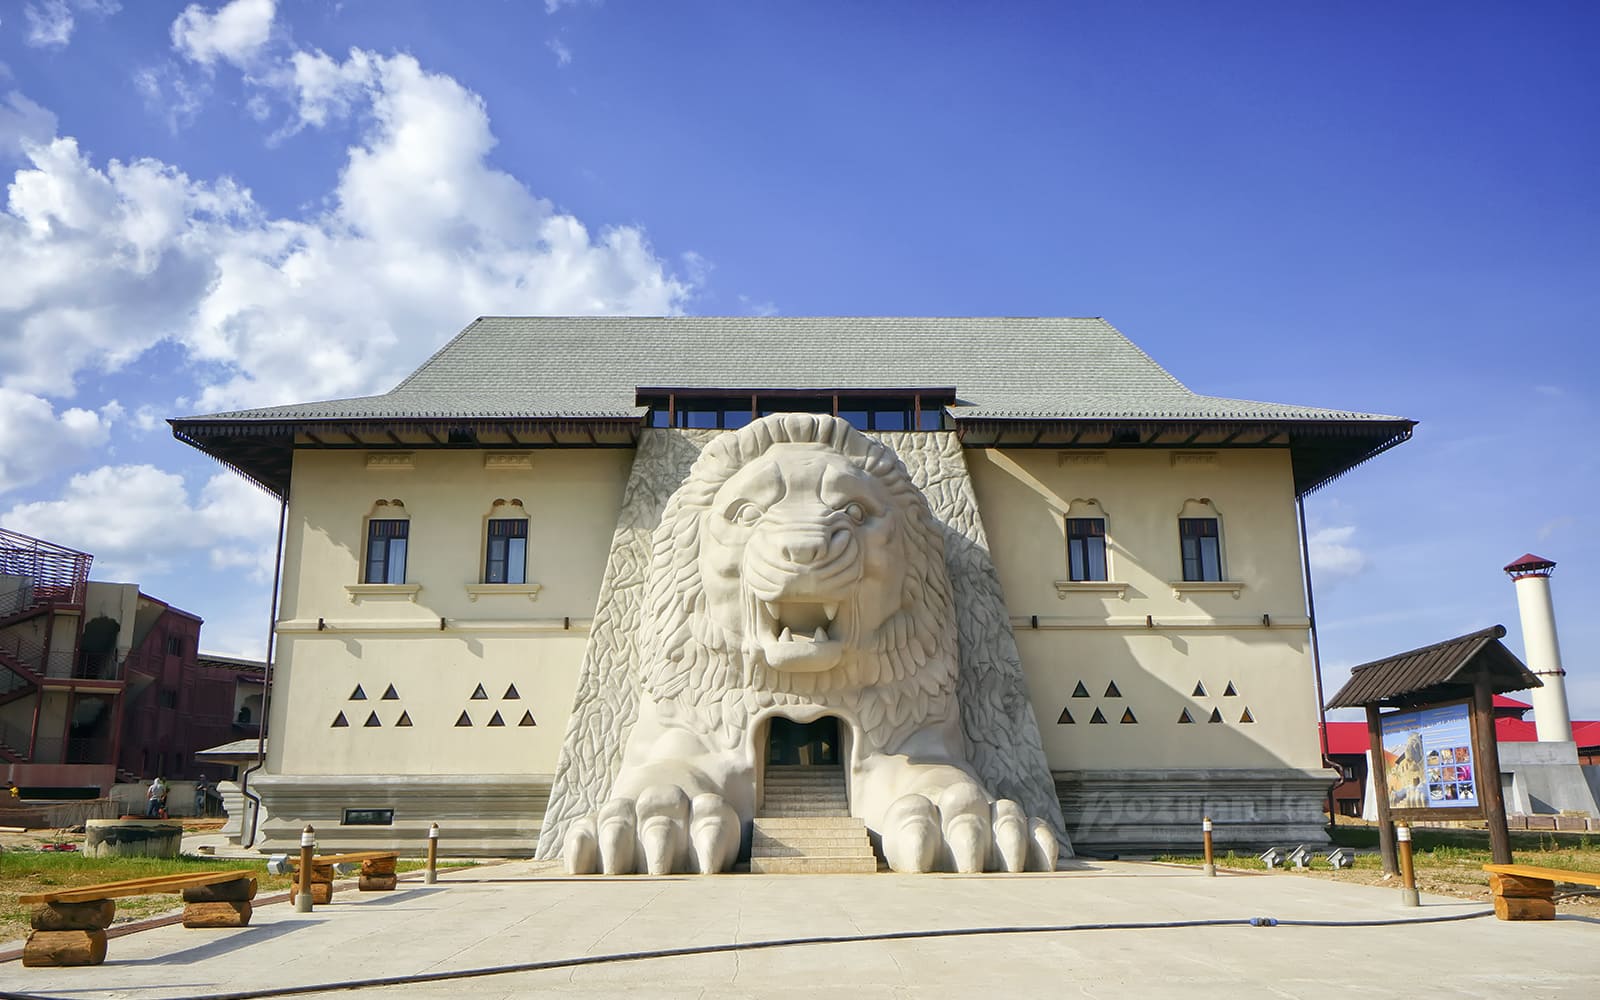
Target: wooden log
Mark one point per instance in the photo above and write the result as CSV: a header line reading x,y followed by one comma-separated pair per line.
x,y
56,948
377,883
95,916
1520,887
321,893
226,913
1509,908
222,892
378,866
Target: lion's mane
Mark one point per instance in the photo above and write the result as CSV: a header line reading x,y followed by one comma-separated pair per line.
x,y
698,674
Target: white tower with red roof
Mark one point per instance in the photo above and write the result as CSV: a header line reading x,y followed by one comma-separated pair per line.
x,y
1540,648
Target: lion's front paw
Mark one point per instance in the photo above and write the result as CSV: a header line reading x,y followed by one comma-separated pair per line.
x,y
660,832
964,832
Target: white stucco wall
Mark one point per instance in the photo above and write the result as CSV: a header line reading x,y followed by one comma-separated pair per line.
x,y
377,637
1209,637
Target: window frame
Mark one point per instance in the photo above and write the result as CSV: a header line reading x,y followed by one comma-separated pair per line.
x,y
368,562
1202,568
1087,541
506,560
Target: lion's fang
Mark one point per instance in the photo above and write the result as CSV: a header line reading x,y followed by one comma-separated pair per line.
x,y
772,610
831,610
785,635
821,635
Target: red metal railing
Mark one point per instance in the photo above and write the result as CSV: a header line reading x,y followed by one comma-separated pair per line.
x,y
51,573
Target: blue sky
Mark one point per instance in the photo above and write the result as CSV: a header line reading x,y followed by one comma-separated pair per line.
x,y
1390,208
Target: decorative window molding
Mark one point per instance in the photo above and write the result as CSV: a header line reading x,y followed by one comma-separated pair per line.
x,y
385,538
1196,459
507,461
1201,555
528,590
358,592
1088,547
390,461
1093,458
504,553
1182,588
1116,588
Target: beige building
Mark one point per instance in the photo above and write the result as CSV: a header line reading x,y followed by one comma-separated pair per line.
x,y
466,560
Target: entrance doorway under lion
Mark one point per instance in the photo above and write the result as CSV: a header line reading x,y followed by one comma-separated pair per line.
x,y
803,773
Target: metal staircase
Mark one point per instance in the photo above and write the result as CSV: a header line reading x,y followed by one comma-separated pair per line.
x,y
36,578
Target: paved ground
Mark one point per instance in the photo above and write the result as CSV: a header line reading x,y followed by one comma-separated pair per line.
x,y
506,914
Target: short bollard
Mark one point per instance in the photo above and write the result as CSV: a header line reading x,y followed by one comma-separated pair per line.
x,y
1210,867
308,846
1408,873
432,875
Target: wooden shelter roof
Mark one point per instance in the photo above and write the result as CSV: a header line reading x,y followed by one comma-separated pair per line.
x,y
1443,671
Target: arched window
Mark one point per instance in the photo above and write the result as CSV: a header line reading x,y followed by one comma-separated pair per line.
x,y
388,535
1200,541
505,558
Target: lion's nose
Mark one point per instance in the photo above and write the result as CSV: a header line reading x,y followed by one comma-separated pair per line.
x,y
804,547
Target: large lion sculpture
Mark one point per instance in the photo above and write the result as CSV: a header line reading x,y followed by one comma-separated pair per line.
x,y
799,573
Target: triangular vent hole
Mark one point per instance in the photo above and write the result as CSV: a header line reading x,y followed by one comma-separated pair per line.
x,y
1216,715
479,694
390,694
1230,692
511,694
1097,719
1127,717
1066,718
358,694
372,721
495,720
1080,691
404,720
339,721
1111,690
1184,718
1247,717
1199,690
527,719
465,720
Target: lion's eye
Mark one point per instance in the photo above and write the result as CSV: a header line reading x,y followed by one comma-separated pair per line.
x,y
856,512
747,514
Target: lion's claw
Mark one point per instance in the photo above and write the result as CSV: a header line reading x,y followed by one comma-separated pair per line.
x,y
964,833
661,832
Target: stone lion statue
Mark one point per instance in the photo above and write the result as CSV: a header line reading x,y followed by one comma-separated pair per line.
x,y
799,573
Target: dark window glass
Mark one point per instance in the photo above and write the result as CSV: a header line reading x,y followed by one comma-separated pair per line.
x,y
1202,551
736,416
386,551
932,418
659,417
507,559
890,420
856,418
1086,548
698,419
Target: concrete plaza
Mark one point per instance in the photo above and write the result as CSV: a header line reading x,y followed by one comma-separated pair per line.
x,y
523,912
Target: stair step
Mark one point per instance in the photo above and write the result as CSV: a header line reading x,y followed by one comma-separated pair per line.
x,y
813,866
781,822
860,849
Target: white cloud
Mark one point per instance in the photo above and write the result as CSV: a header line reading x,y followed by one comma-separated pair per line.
x,y
562,53
51,22
35,440
137,521
103,262
234,34
22,122
1332,557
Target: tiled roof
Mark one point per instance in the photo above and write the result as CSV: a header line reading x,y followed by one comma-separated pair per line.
x,y
1002,368
1435,672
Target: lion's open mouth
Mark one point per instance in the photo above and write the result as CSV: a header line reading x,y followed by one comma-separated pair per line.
x,y
800,635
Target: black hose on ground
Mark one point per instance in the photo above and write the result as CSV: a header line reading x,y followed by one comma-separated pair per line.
x,y
718,949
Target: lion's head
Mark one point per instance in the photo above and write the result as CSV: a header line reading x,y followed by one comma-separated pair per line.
x,y
799,562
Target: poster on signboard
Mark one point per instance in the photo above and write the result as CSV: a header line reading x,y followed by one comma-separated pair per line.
x,y
1427,758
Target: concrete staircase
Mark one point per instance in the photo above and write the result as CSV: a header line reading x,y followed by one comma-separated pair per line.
x,y
805,826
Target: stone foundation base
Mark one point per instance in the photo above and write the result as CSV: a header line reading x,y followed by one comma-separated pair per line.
x,y
478,815
1159,811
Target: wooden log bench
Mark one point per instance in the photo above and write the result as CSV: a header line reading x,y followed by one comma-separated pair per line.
x,y
69,925
377,872
1527,892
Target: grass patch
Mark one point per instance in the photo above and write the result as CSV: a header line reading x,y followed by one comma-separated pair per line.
x,y
24,872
